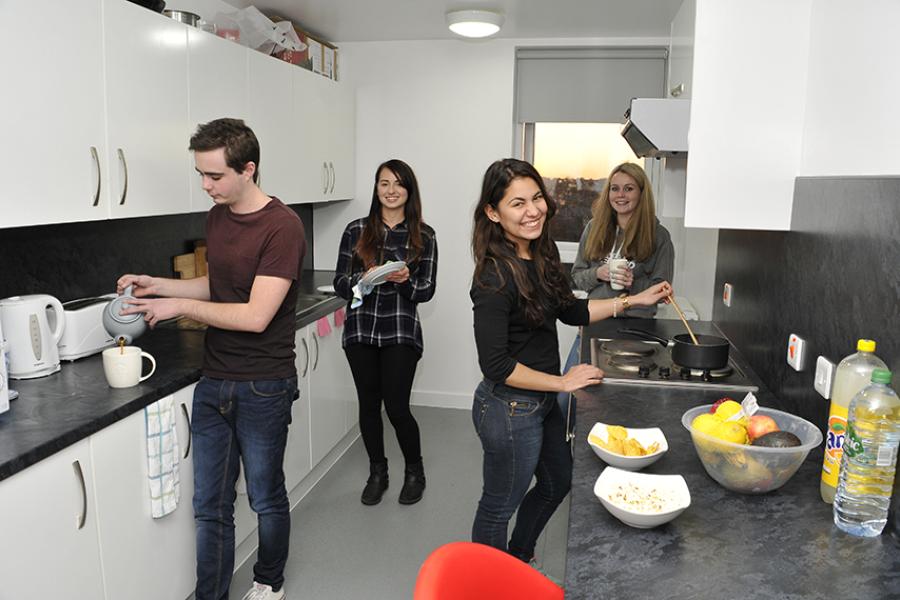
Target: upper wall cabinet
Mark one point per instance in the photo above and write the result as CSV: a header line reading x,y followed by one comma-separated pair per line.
x,y
272,119
747,105
51,111
681,51
147,111
102,115
218,74
326,118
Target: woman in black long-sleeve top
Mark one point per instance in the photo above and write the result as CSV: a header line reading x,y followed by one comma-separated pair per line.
x,y
518,291
382,335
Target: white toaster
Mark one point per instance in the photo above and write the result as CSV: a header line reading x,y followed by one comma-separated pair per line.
x,y
84,333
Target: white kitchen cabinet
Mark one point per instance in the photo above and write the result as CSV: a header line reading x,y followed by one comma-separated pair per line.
x,y
48,520
146,60
681,51
748,99
332,393
51,113
218,74
325,112
143,557
297,462
271,116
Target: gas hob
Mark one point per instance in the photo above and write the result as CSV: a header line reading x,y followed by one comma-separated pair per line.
x,y
633,362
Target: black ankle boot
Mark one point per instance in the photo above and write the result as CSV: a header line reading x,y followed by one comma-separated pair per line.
x,y
377,483
413,484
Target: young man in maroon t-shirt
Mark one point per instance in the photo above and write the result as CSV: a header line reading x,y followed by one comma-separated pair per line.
x,y
242,404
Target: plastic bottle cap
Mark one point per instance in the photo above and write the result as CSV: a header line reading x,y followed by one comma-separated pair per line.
x,y
865,345
881,376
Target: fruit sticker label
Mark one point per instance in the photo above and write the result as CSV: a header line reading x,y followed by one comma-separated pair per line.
x,y
834,443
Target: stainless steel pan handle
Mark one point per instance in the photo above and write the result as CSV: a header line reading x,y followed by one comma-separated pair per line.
x,y
645,335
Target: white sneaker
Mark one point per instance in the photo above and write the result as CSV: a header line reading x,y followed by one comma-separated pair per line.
x,y
261,591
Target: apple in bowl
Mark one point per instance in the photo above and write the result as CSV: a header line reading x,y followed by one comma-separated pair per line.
x,y
760,425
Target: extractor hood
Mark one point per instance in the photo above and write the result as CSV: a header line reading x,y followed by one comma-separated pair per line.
x,y
657,127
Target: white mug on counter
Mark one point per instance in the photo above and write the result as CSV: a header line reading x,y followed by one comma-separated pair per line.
x,y
616,265
123,366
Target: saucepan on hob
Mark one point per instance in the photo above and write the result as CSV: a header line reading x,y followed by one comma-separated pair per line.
x,y
710,352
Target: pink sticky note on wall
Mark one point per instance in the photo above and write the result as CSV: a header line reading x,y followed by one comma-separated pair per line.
x,y
322,327
339,316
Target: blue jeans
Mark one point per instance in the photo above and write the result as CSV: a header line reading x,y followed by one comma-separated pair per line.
x,y
566,398
236,422
523,436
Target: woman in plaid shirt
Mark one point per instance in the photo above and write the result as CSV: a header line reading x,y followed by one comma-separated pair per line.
x,y
383,336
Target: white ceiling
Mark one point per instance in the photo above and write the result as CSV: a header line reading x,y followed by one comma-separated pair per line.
x,y
379,20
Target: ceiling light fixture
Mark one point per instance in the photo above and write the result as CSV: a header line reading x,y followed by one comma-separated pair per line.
x,y
474,23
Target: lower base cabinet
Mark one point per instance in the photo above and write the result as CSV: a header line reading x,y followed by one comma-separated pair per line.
x,y
143,557
78,524
49,546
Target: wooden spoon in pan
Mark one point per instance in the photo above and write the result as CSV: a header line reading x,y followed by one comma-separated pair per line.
x,y
683,319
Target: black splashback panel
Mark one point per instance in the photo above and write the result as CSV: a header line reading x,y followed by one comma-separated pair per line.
x,y
75,260
831,280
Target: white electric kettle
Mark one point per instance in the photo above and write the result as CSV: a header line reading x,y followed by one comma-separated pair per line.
x,y
32,325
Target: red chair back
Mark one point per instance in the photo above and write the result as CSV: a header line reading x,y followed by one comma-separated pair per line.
x,y
469,571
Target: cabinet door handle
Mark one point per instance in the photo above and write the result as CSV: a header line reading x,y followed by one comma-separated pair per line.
x,y
80,520
187,418
331,167
306,352
125,168
96,162
316,361
324,177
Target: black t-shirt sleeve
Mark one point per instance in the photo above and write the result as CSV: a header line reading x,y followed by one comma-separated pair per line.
x,y
492,309
576,313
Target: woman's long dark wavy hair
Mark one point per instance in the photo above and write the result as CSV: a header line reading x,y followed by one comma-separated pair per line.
x,y
369,246
492,249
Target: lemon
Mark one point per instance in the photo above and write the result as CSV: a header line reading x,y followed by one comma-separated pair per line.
x,y
705,423
728,409
731,431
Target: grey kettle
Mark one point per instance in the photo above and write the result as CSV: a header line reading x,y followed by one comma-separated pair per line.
x,y
123,327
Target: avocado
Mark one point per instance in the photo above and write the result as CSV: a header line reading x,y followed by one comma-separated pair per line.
x,y
777,439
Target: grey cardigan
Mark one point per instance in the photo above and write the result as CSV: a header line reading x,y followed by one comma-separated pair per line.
x,y
656,269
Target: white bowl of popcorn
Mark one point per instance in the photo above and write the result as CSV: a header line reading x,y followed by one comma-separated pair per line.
x,y
642,500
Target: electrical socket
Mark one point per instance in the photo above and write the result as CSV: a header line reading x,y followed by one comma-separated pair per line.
x,y
824,377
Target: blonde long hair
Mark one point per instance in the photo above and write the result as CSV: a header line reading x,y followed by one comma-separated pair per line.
x,y
640,233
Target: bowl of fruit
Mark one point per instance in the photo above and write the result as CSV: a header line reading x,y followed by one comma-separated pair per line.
x,y
751,455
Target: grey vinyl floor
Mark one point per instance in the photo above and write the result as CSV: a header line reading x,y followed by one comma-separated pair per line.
x,y
341,549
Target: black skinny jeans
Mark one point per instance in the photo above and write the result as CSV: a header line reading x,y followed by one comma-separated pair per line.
x,y
385,374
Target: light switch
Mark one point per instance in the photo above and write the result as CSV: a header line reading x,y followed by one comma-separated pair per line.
x,y
796,352
824,377
727,293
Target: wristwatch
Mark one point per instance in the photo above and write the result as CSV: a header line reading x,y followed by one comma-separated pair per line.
x,y
625,303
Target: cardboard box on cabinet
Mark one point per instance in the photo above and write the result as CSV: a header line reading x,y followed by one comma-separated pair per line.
x,y
319,56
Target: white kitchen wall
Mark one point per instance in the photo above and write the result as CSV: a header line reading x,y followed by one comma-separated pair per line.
x,y
852,125
445,107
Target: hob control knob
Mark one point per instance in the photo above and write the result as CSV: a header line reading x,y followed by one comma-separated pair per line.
x,y
685,373
664,372
643,371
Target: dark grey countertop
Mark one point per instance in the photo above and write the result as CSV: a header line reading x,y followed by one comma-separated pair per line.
x,y
59,410
725,545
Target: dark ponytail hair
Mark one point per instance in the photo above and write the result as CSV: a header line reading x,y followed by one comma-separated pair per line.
x,y
493,250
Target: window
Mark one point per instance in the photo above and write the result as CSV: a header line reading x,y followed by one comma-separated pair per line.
x,y
569,107
574,160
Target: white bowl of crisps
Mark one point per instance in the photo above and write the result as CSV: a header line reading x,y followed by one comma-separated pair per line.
x,y
642,500
626,447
